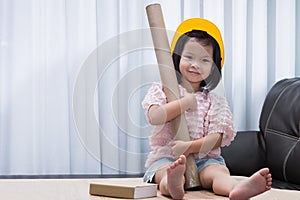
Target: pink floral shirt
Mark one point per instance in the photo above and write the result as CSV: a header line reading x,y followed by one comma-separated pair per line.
x,y
213,115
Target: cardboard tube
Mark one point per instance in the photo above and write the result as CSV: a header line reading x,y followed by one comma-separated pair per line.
x,y
170,85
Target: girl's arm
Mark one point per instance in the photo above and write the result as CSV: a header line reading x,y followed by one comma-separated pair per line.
x,y
202,145
205,144
159,115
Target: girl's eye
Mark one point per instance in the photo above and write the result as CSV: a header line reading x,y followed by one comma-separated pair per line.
x,y
188,57
206,60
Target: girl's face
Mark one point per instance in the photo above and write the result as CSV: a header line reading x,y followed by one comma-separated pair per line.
x,y
196,62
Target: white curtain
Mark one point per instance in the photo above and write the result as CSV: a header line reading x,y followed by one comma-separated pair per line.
x,y
74,72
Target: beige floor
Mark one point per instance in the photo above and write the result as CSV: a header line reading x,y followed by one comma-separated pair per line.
x,y
78,189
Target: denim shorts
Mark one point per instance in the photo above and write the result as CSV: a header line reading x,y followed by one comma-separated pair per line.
x,y
200,163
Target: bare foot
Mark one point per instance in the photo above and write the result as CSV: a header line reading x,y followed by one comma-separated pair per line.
x,y
175,178
258,183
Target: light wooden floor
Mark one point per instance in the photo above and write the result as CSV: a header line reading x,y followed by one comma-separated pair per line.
x,y
78,189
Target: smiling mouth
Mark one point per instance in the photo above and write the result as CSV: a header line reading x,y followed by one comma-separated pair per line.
x,y
194,72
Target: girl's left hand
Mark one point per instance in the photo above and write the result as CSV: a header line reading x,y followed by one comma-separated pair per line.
x,y
180,148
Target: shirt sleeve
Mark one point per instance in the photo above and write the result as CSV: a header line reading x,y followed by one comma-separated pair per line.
x,y
220,119
154,96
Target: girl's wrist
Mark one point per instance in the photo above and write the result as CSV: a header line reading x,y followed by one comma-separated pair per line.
x,y
190,148
191,102
184,103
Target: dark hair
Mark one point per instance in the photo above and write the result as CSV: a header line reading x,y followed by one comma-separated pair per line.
x,y
213,79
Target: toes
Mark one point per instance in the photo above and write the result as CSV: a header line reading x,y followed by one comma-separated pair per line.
x,y
172,166
264,171
176,163
269,179
181,159
268,187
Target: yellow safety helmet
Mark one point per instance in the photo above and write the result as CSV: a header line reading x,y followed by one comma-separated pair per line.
x,y
203,25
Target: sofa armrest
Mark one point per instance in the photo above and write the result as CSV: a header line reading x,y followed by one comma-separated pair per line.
x,y
246,154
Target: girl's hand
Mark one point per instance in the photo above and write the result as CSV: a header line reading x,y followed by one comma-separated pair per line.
x,y
180,148
192,101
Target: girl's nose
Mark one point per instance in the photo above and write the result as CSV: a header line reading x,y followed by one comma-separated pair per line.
x,y
195,64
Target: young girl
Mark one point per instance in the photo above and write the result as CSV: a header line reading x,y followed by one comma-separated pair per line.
x,y
198,58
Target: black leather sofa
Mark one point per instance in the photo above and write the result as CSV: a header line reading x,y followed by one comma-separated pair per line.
x,y
277,143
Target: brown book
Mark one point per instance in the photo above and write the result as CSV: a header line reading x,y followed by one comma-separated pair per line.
x,y
123,188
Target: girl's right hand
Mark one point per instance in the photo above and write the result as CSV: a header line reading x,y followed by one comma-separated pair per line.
x,y
192,101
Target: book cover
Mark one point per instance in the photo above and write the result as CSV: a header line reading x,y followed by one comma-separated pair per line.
x,y
123,188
